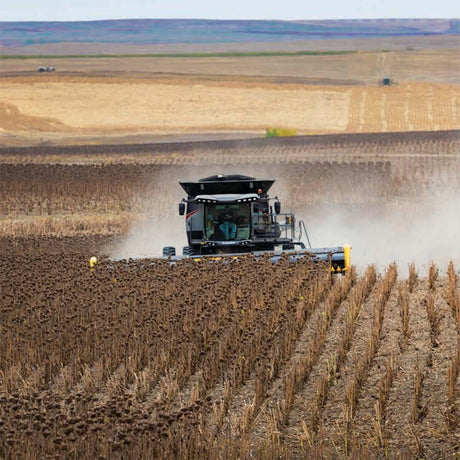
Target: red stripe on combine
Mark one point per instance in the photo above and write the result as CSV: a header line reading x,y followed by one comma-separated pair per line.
x,y
190,214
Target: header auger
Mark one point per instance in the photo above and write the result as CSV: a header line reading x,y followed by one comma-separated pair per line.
x,y
232,215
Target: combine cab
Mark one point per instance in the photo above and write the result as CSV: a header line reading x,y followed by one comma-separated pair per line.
x,y
233,215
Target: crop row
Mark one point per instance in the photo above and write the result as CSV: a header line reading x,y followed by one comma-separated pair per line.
x,y
59,189
116,189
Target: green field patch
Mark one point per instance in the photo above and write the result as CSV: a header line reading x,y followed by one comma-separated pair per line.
x,y
178,55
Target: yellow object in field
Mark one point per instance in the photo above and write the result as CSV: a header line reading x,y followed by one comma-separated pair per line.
x,y
280,132
92,262
346,254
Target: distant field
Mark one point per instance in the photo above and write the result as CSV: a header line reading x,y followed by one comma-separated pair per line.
x,y
185,55
140,92
33,108
227,92
280,65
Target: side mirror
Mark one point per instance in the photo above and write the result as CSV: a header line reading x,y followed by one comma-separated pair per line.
x,y
277,207
181,208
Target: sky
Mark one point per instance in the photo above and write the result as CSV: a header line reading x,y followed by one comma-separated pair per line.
x,y
79,10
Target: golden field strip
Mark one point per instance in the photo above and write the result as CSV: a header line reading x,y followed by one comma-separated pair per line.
x,y
34,109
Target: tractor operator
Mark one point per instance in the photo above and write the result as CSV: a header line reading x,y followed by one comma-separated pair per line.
x,y
227,224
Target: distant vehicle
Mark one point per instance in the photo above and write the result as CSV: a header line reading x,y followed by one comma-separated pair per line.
x,y
46,69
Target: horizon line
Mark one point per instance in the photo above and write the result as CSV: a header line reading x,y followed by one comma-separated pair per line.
x,y
233,19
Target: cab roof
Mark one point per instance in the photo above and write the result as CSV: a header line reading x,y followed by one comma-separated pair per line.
x,y
226,184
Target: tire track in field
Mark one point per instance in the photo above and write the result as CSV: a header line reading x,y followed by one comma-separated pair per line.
x,y
388,349
399,428
301,421
333,411
439,441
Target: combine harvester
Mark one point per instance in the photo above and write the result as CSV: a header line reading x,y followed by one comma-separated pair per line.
x,y
232,215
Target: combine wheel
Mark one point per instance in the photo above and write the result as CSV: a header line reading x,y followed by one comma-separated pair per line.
x,y
188,251
169,251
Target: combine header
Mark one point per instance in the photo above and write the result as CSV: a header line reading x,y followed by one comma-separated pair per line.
x,y
233,215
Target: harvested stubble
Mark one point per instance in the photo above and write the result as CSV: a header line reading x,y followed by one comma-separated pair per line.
x,y
115,363
453,300
381,297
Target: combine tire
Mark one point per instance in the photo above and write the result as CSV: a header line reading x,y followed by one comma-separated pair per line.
x,y
169,251
188,251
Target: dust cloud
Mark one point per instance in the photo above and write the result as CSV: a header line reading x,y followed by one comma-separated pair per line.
x,y
158,225
398,226
420,232
150,235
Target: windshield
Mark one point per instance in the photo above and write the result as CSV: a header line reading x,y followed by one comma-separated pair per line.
x,y
224,221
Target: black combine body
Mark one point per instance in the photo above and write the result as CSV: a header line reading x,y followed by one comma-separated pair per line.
x,y
233,214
